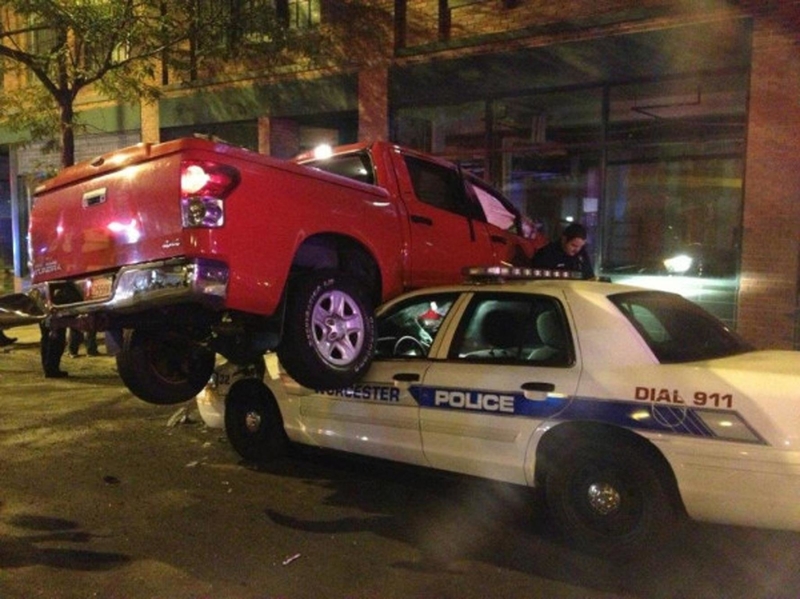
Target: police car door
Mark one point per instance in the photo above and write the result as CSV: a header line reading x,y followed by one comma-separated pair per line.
x,y
379,416
511,365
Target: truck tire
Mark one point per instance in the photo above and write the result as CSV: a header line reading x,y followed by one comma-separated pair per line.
x,y
608,498
253,422
328,335
163,370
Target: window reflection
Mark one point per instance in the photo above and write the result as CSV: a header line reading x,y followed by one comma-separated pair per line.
x,y
653,169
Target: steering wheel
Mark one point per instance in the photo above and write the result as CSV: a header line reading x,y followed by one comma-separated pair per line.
x,y
409,346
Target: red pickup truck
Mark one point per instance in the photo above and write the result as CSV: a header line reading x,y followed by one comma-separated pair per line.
x,y
189,248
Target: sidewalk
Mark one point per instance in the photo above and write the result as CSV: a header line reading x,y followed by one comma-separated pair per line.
x,y
28,333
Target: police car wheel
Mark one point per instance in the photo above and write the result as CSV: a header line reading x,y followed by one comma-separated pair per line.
x,y
253,422
608,498
328,336
163,369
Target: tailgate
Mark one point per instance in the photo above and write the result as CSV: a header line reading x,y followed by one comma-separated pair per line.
x,y
120,209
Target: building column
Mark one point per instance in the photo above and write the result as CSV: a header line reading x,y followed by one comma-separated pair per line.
x,y
373,103
770,270
278,137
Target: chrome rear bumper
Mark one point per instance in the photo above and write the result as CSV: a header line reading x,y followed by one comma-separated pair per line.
x,y
135,288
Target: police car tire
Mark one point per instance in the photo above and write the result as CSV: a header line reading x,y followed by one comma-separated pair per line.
x,y
303,347
253,422
161,369
641,515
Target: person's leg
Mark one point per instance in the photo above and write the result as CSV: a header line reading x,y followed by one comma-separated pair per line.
x,y
75,339
91,343
52,347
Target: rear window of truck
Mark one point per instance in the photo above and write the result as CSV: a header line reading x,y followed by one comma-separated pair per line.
x,y
356,166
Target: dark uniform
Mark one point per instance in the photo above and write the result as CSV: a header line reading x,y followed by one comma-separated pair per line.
x,y
52,348
553,256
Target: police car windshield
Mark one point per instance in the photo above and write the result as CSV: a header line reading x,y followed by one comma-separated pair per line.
x,y
676,330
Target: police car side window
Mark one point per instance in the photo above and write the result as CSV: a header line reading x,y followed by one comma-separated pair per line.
x,y
513,328
409,329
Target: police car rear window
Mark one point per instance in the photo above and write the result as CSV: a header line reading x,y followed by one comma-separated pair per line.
x,y
513,328
677,330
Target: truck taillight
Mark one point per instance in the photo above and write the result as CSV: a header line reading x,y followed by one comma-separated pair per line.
x,y
204,186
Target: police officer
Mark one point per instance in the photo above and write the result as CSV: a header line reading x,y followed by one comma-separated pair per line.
x,y
567,253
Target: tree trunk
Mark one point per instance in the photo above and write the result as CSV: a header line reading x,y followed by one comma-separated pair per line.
x,y
67,133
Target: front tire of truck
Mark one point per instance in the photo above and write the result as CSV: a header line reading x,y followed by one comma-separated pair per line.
x,y
328,335
163,369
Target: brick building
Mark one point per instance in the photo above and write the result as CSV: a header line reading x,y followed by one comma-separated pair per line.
x,y
667,127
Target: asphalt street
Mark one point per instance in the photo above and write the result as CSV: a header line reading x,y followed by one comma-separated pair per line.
x,y
104,496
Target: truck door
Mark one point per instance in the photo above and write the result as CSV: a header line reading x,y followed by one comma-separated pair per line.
x,y
447,230
504,225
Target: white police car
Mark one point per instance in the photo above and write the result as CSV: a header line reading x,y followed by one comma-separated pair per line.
x,y
627,407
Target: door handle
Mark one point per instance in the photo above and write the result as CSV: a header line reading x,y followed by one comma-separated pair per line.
x,y
537,390
406,377
538,386
421,220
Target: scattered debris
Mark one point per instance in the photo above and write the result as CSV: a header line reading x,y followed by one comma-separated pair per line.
x,y
290,559
179,417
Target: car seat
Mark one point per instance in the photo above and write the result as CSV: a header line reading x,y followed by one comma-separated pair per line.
x,y
501,332
550,328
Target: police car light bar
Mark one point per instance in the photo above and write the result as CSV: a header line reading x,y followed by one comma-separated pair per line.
x,y
506,273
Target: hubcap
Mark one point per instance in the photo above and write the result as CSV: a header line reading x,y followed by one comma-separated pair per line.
x,y
603,498
338,328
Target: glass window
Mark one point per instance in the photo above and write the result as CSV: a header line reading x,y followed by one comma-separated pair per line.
x,y
496,209
457,131
673,187
650,159
299,14
409,329
439,186
513,328
550,157
675,329
353,166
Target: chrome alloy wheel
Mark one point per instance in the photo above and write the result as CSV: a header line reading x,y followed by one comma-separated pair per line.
x,y
337,328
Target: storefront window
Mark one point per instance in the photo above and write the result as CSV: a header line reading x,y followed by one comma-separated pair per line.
x,y
542,151
455,131
673,195
550,147
653,169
